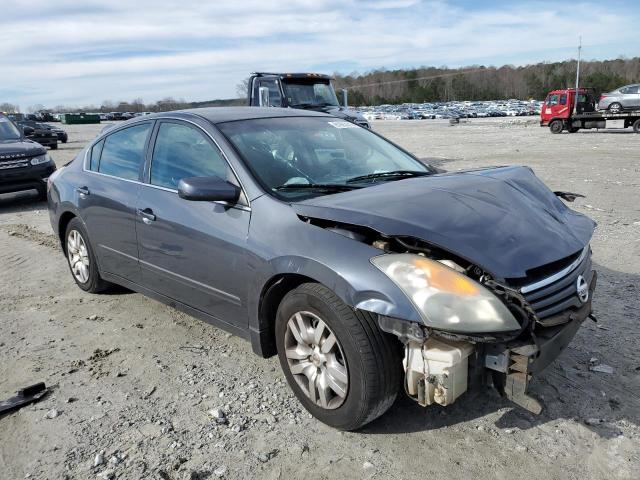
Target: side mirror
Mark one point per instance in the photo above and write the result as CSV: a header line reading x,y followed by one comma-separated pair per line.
x,y
28,131
263,96
208,189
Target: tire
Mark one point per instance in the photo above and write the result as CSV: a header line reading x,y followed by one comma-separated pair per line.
x,y
615,107
636,126
573,129
54,146
368,357
42,194
556,126
88,280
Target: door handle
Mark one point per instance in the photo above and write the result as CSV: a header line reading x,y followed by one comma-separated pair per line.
x,y
147,215
83,191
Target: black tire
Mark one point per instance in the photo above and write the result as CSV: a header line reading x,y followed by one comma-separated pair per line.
x,y
42,193
556,126
54,146
615,107
372,357
636,126
94,283
573,129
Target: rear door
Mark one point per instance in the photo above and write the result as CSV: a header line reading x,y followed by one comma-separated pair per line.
x,y
107,198
191,251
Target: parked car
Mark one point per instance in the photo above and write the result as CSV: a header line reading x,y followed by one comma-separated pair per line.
x,y
623,98
38,133
60,133
24,164
322,242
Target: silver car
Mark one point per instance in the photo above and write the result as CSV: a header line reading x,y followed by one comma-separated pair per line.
x,y
623,98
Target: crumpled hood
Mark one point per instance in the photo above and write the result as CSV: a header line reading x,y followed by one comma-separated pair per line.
x,y
20,149
503,219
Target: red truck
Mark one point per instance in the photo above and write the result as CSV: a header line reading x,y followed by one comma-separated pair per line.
x,y
559,113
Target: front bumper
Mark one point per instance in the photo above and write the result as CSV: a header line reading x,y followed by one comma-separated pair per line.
x,y
25,178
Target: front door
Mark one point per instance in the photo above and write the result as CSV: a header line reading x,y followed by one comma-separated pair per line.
x,y
190,251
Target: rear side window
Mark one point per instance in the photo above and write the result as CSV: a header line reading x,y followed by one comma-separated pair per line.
x,y
94,160
181,151
123,152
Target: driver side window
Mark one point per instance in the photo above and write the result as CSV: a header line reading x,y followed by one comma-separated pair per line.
x,y
182,151
552,100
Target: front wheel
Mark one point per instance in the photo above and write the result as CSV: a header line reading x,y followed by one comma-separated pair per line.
x,y
556,126
636,126
344,370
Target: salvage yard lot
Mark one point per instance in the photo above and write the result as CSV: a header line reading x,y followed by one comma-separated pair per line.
x,y
134,381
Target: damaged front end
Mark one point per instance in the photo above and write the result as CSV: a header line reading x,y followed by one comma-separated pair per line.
x,y
441,365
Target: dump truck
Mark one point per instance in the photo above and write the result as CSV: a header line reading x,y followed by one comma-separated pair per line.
x,y
306,91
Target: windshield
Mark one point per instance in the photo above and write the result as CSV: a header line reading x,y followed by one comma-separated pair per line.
x,y
8,130
300,157
309,93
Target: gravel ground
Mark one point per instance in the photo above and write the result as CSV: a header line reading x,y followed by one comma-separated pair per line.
x,y
143,391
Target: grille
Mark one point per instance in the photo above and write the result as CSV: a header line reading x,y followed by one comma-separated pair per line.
x,y
559,292
7,164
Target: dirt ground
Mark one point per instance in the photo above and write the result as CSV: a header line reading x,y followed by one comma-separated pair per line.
x,y
134,381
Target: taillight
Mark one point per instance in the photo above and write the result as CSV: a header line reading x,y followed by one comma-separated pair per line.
x,y
602,96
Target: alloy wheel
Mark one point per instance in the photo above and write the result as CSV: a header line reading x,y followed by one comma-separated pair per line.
x,y
78,256
315,359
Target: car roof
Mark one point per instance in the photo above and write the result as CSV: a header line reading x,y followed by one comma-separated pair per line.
x,y
232,114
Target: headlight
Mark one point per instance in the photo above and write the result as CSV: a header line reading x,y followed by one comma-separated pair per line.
x,y
40,159
446,299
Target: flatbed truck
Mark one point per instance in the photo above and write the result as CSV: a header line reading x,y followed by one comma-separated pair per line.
x,y
561,113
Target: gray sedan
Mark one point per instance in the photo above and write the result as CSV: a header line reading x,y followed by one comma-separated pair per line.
x,y
623,98
320,241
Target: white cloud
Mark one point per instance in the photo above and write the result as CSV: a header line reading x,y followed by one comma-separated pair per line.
x,y
80,52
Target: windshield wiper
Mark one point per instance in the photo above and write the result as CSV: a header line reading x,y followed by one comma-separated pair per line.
x,y
335,187
394,173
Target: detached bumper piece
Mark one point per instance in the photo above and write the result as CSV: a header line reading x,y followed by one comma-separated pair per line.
x,y
24,397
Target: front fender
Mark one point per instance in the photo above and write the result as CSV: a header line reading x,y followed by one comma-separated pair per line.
x,y
360,286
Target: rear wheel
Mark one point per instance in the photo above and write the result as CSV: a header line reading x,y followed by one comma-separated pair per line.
x,y
81,258
615,107
54,146
556,126
573,129
344,370
636,126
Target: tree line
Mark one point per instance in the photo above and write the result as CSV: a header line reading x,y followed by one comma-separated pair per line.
x,y
424,84
431,84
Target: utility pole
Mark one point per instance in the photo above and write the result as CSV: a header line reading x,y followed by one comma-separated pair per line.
x,y
575,103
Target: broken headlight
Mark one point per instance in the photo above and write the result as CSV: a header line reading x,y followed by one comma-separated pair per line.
x,y
447,300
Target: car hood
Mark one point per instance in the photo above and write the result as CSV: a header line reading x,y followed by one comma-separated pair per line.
x,y
10,149
503,219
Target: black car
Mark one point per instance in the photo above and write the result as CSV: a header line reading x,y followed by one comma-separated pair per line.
x,y
38,133
24,164
61,134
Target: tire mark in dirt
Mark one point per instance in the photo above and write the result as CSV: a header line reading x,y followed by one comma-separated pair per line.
x,y
21,230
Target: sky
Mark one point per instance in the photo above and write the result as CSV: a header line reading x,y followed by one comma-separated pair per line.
x,y
83,52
